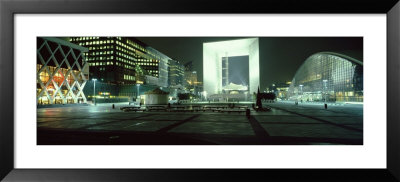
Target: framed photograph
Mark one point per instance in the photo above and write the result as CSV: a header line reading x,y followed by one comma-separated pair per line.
x,y
131,90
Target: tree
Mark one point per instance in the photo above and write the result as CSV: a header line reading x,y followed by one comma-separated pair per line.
x,y
267,96
258,102
183,96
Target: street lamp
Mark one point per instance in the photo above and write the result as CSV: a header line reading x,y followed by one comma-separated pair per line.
x,y
325,93
137,85
301,90
94,90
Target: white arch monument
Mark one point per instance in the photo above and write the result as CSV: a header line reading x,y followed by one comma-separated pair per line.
x,y
212,62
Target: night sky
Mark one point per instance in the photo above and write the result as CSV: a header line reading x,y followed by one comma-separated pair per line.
x,y
280,57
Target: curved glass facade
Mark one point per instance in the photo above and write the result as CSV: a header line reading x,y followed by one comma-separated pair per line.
x,y
330,77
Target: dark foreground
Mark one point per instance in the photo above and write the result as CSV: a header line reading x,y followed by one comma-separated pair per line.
x,y
285,124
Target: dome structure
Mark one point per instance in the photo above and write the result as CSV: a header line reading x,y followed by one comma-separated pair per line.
x,y
328,77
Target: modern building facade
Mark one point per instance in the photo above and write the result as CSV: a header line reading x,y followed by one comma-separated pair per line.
x,y
114,59
162,66
62,72
280,90
175,73
328,77
189,66
191,78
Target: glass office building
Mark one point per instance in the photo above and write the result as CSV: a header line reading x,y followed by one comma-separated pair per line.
x,y
328,77
162,66
176,73
113,59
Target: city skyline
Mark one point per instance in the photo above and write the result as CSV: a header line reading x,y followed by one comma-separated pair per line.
x,y
280,57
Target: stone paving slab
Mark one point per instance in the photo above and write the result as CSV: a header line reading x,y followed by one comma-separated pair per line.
x,y
50,119
284,123
72,123
344,120
165,117
285,119
222,119
316,112
138,125
357,126
214,128
273,112
310,130
347,110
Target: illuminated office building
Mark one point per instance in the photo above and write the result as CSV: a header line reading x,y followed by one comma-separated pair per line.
x,y
280,90
328,77
62,72
162,66
175,73
114,59
191,78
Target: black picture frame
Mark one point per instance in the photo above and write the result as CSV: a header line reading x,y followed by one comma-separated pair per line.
x,y
9,8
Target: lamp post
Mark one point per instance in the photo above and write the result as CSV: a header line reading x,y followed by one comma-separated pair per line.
x,y
137,85
301,90
94,90
325,93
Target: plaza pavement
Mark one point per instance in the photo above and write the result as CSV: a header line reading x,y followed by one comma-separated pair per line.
x,y
285,124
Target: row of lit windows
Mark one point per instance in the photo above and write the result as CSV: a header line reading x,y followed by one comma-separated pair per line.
x,y
96,41
101,63
83,38
133,53
96,53
128,67
125,56
148,60
101,47
129,77
131,43
125,46
138,60
92,43
101,58
147,64
125,61
134,44
120,54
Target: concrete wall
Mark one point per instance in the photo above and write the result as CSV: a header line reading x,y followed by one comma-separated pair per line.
x,y
155,99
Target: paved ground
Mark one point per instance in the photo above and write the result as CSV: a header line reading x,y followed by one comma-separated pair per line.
x,y
285,124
